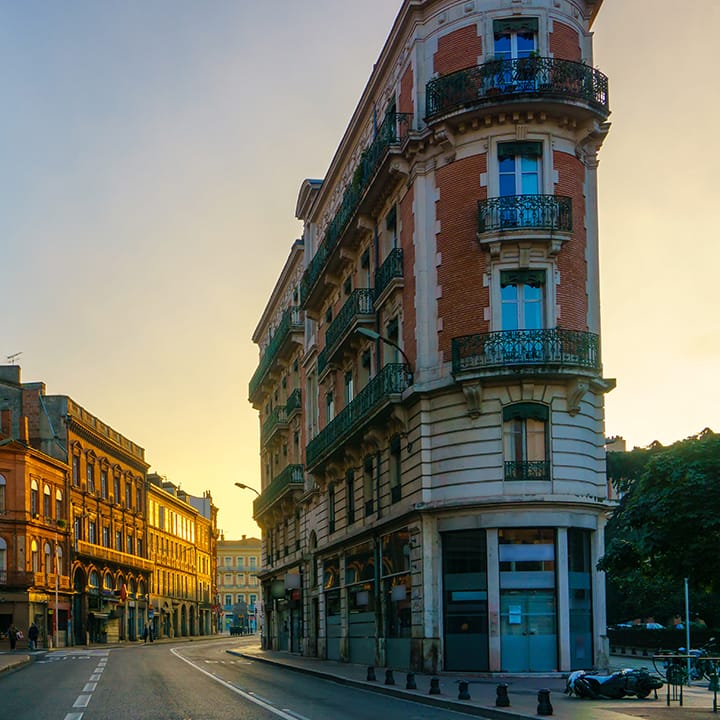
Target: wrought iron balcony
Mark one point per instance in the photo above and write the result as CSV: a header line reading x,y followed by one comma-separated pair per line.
x,y
276,420
291,322
500,80
552,348
391,381
527,470
391,269
392,132
359,305
322,362
291,478
530,212
294,402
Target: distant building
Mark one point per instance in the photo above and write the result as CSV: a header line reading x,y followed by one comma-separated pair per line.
x,y
181,540
430,387
238,562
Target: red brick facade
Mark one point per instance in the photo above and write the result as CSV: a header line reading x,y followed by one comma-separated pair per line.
x,y
564,42
572,292
460,275
457,50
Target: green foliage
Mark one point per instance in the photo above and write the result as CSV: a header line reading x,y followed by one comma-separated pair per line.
x,y
666,528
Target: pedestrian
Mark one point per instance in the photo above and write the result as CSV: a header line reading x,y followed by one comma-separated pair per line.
x,y
151,632
12,634
33,634
146,632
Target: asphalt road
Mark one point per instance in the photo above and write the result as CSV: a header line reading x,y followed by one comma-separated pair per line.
x,y
186,681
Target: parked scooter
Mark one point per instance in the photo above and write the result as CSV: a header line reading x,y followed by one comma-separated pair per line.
x,y
623,683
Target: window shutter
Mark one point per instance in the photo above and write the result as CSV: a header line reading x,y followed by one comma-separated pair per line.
x,y
534,278
524,149
535,411
521,24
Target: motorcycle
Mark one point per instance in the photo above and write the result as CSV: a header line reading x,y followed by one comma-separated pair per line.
x,y
623,683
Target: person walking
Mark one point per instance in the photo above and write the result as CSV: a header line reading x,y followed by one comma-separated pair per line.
x,y
12,634
146,632
33,634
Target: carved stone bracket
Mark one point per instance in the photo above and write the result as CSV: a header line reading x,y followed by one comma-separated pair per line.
x,y
577,387
473,398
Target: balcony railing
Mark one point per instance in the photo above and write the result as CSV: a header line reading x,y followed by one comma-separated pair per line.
x,y
390,270
498,80
290,322
276,419
393,379
527,470
121,558
536,212
293,476
294,402
360,302
392,131
15,578
553,347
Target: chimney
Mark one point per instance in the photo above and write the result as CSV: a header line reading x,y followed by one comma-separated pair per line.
x,y
5,420
24,435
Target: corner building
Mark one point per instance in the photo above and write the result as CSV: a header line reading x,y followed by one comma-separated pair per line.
x,y
447,507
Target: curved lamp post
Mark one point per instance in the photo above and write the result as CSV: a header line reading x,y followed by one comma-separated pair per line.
x,y
243,486
367,332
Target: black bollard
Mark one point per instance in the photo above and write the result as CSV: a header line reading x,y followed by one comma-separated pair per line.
x,y
410,682
502,699
389,679
544,707
434,686
463,693
370,674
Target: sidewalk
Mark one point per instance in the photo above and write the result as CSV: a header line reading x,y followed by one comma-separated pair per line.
x,y
12,660
522,691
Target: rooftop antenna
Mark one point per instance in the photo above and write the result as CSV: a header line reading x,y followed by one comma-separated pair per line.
x,y
12,358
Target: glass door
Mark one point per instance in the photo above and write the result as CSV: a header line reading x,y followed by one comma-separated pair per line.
x,y
528,630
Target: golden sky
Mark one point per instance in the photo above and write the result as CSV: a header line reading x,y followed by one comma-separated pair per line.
x,y
152,157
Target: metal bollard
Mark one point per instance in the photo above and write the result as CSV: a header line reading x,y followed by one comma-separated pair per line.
x,y
370,674
410,682
502,699
463,693
389,679
544,707
434,686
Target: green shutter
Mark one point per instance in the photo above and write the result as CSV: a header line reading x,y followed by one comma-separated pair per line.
x,y
535,411
534,278
525,149
519,24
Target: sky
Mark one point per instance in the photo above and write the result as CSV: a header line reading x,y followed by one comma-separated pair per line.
x,y
152,152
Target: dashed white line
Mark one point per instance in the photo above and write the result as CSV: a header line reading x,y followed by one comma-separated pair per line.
x,y
82,701
90,687
252,698
74,716
95,677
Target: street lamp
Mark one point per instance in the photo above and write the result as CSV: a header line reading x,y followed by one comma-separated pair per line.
x,y
243,486
367,332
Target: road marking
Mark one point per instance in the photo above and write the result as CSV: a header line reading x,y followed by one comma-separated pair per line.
x,y
82,701
95,677
296,715
90,687
252,698
74,716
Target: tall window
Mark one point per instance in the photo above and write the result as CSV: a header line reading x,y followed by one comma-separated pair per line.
x,y
34,497
522,296
331,508
90,476
2,496
92,532
368,485
525,439
348,388
106,537
350,495
128,494
59,514
76,470
116,489
47,501
329,407
519,175
47,551
104,482
34,556
515,38
118,541
395,469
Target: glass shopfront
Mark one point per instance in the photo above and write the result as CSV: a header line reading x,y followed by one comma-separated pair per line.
x,y
397,611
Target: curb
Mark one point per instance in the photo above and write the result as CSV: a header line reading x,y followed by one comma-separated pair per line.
x,y
444,703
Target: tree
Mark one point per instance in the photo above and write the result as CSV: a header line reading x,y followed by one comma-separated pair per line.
x,y
667,526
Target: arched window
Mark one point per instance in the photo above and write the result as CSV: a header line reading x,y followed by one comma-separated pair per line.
x,y
2,493
94,582
47,501
525,440
3,559
34,559
108,582
59,514
34,499
59,555
47,552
